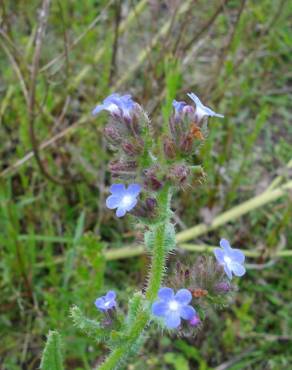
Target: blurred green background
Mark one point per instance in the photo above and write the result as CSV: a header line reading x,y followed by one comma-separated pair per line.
x,y
54,227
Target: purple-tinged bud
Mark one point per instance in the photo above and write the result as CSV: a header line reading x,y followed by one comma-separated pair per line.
x,y
195,320
146,209
187,274
122,166
151,204
189,110
151,180
169,148
186,144
179,174
154,183
113,134
131,149
223,287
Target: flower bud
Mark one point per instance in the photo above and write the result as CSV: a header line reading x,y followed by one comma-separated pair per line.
x,y
146,209
131,149
189,110
179,174
223,287
122,167
169,148
112,134
195,321
151,204
151,180
186,144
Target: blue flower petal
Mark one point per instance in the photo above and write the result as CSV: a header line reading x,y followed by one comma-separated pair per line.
x,y
116,104
117,189
111,99
121,211
178,105
228,271
219,254
165,294
99,303
187,312
97,109
183,296
110,295
201,108
224,243
134,189
159,308
237,269
112,201
172,320
237,256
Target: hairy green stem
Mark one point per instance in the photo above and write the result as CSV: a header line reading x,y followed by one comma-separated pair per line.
x,y
159,252
122,352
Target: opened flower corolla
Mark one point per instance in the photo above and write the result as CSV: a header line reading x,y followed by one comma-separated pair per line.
x,y
173,307
122,198
116,104
106,302
231,259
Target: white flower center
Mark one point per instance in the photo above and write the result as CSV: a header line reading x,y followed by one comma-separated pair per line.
x,y
113,108
107,303
227,260
173,305
126,200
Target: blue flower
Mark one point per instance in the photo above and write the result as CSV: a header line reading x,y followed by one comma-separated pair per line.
x,y
232,260
172,307
116,104
202,110
178,106
106,302
181,108
123,199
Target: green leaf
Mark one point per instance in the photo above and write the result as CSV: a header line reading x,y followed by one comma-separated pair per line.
x,y
135,305
90,327
52,357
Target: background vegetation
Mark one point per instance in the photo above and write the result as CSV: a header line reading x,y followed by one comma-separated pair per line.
x,y
59,246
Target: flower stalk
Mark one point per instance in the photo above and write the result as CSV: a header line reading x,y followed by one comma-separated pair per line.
x,y
157,269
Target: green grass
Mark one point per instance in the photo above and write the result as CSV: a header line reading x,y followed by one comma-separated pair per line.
x,y
53,237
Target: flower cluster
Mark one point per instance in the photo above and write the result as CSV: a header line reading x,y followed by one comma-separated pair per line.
x,y
185,128
208,283
137,163
204,283
131,135
125,134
